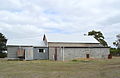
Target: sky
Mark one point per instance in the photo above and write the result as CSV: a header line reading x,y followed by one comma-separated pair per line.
x,y
26,19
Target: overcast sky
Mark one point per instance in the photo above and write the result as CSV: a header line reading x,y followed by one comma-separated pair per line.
x,y
21,19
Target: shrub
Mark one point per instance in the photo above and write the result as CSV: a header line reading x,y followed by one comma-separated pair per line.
x,y
115,52
3,55
75,60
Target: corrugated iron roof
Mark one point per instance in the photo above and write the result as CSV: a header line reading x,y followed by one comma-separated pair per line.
x,y
26,42
37,41
72,38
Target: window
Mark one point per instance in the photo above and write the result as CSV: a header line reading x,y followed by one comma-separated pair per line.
x,y
41,50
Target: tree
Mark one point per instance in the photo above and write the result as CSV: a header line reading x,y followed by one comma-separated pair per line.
x,y
98,36
3,42
117,42
116,51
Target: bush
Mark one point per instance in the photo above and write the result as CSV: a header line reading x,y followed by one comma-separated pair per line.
x,y
3,55
115,52
75,60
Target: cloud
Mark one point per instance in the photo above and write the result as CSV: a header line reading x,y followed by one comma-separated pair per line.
x,y
31,18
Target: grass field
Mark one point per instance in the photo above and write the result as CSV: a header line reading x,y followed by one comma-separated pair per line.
x,y
99,68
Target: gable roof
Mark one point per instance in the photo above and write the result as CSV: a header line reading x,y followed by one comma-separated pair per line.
x,y
26,42
72,38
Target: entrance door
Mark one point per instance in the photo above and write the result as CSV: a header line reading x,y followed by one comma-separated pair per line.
x,y
28,54
21,53
55,55
87,55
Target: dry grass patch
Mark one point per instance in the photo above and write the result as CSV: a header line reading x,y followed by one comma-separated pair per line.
x,y
92,68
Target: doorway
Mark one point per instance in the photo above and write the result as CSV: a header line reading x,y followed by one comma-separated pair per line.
x,y
55,55
21,53
87,55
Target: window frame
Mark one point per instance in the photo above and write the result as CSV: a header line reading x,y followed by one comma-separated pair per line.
x,y
42,50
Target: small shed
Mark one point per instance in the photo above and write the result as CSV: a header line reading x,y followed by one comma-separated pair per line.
x,y
27,51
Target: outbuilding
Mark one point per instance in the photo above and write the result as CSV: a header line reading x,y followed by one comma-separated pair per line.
x,y
59,48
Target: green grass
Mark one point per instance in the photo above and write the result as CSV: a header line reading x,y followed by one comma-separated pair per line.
x,y
99,68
